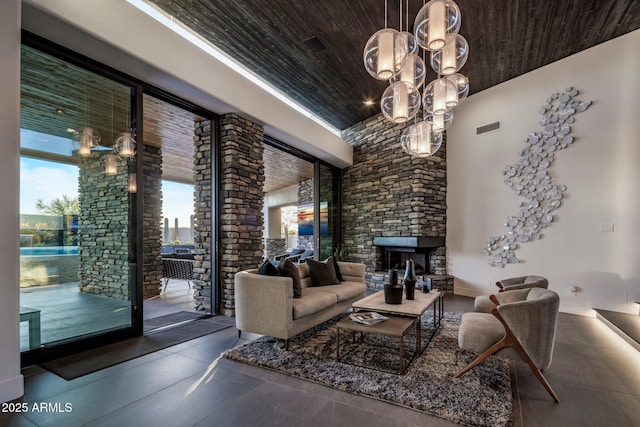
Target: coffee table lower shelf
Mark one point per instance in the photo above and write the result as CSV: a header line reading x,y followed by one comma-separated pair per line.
x,y
394,326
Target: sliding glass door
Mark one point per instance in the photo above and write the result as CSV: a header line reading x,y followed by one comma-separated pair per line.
x,y
328,204
77,203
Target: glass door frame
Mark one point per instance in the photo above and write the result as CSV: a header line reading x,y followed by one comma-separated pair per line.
x,y
77,344
216,288
317,164
138,88
335,235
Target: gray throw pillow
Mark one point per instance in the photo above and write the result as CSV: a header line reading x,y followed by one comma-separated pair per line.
x,y
322,273
268,269
289,269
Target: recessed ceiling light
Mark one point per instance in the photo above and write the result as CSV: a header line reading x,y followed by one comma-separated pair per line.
x,y
59,111
369,102
71,130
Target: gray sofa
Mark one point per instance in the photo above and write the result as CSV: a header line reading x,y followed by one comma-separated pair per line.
x,y
265,304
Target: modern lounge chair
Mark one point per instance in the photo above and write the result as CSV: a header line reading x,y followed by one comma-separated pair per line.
x,y
522,322
522,282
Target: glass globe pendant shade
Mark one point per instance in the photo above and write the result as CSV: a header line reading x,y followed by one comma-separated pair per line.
x,y
462,83
87,139
384,53
452,57
440,96
125,145
111,164
413,72
440,121
412,44
434,21
422,139
400,102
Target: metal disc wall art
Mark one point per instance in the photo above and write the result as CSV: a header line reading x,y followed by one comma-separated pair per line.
x,y
530,178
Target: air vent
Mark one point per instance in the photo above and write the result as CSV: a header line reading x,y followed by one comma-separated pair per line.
x,y
314,44
487,128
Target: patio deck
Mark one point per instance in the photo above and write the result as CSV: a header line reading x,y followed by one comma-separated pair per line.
x,y
66,312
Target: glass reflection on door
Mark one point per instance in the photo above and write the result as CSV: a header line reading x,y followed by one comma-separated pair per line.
x,y
76,212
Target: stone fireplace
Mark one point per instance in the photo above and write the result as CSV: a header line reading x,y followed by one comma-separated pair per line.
x,y
394,205
393,252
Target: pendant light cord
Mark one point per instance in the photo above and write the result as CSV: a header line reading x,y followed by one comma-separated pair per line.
x,y
385,14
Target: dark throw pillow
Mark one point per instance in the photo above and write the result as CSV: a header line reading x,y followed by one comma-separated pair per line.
x,y
322,273
337,268
268,269
289,269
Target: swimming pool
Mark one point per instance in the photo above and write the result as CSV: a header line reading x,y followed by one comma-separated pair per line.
x,y
49,250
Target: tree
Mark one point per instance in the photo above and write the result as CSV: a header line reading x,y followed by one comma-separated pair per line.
x,y
59,206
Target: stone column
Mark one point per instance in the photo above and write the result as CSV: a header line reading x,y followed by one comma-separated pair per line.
x,y
103,232
152,220
242,199
305,198
203,234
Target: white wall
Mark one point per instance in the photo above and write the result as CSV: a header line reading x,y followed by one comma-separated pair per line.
x,y
11,381
601,172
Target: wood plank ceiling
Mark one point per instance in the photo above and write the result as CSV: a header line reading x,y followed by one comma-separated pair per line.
x,y
507,38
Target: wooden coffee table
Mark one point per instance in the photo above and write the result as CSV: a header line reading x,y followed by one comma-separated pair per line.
x,y
409,308
394,326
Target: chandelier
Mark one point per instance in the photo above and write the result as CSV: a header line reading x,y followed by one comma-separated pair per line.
x,y
393,55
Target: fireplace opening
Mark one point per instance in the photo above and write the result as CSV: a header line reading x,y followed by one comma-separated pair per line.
x,y
397,258
395,251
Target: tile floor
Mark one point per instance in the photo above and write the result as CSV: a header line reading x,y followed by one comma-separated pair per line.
x,y
595,373
66,312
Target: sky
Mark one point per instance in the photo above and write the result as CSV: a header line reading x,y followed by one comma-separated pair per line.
x,y
45,180
177,202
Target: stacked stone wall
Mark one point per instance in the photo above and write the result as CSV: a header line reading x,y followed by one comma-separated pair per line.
x,y
203,232
152,221
241,202
275,246
104,229
389,193
305,198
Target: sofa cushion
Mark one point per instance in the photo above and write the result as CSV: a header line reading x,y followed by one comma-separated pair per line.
x,y
289,269
268,269
312,301
322,273
345,290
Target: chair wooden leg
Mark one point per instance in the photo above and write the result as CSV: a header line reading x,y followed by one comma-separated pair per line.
x,y
239,333
286,345
510,340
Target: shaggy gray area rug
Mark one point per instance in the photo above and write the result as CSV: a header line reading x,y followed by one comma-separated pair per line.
x,y
481,397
